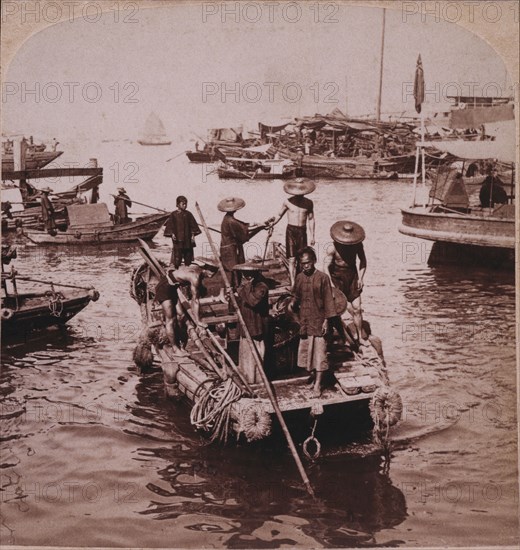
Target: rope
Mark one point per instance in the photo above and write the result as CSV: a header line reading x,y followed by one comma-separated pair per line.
x,y
212,410
55,303
311,439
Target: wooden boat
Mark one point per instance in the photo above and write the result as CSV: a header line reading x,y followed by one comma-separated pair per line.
x,y
240,168
221,404
92,224
33,159
153,132
453,215
201,156
22,313
31,216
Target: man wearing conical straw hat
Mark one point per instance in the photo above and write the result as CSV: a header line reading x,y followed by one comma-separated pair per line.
x,y
234,234
340,263
300,213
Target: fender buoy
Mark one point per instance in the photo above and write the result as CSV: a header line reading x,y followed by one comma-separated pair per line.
x,y
77,235
386,407
7,314
255,423
94,295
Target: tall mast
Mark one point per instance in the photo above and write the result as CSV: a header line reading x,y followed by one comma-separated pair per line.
x,y
378,106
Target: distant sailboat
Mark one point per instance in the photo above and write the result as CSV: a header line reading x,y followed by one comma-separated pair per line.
x,y
153,132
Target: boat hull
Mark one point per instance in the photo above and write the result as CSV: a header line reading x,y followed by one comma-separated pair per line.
x,y
467,229
145,228
36,312
33,161
231,174
198,156
153,143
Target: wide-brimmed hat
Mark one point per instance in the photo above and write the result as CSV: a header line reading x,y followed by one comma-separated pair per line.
x,y
302,187
206,263
231,204
340,301
46,190
345,232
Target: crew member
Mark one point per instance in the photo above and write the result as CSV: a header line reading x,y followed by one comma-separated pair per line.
x,y
340,263
492,191
182,228
314,300
300,214
122,203
47,211
234,234
253,301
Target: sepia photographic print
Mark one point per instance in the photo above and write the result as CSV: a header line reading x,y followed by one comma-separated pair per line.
x,y
258,274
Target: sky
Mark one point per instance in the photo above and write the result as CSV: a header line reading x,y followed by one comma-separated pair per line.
x,y
197,69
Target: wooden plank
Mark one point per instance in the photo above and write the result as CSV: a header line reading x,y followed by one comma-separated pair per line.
x,y
50,173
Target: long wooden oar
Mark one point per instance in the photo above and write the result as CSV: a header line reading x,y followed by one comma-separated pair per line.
x,y
257,359
30,279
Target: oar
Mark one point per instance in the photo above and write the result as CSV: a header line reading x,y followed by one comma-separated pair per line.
x,y
52,283
145,205
159,210
269,235
181,153
257,359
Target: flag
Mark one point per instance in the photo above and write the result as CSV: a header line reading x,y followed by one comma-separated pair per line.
x,y
418,85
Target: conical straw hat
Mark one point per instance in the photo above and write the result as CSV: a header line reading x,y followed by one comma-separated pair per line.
x,y
231,204
345,232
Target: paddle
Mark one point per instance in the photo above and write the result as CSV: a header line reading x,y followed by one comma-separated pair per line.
x,y
176,156
159,210
257,359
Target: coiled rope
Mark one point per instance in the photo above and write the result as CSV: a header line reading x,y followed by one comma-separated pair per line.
x,y
55,303
212,409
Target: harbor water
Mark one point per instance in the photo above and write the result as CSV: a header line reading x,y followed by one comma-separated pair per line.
x,y
94,454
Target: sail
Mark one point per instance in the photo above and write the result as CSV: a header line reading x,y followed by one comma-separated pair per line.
x,y
153,132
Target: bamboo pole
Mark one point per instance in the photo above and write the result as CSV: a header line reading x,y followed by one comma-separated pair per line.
x,y
258,361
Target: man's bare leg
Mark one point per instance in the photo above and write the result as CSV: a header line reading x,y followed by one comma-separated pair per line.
x,y
168,312
317,383
292,270
357,317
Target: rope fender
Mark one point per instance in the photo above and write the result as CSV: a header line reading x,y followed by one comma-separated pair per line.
x,y
386,407
254,422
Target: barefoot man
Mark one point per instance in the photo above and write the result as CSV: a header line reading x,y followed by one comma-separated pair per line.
x,y
300,213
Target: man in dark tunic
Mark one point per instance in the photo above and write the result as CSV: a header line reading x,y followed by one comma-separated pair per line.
x,y
234,234
492,192
182,228
340,264
47,210
315,302
122,203
253,301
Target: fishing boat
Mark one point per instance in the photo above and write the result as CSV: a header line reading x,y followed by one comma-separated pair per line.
x,y
31,215
153,132
92,224
453,216
202,156
24,312
223,405
33,159
240,168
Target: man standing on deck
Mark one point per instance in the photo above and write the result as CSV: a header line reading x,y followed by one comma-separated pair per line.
x,y
492,192
340,263
253,301
182,228
315,302
122,203
47,211
234,234
166,293
300,213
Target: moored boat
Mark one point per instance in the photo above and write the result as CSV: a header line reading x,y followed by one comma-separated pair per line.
x,y
92,224
24,312
240,168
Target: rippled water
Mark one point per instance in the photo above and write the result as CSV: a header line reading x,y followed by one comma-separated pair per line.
x,y
93,453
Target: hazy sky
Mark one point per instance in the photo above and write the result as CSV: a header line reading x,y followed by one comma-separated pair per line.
x,y
101,79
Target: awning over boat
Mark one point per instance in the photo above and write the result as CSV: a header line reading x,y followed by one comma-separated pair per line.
x,y
500,149
226,134
259,148
271,129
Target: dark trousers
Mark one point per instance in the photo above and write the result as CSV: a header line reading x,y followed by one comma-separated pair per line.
x,y
179,254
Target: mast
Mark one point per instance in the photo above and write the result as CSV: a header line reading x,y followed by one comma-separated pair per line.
x,y
378,106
